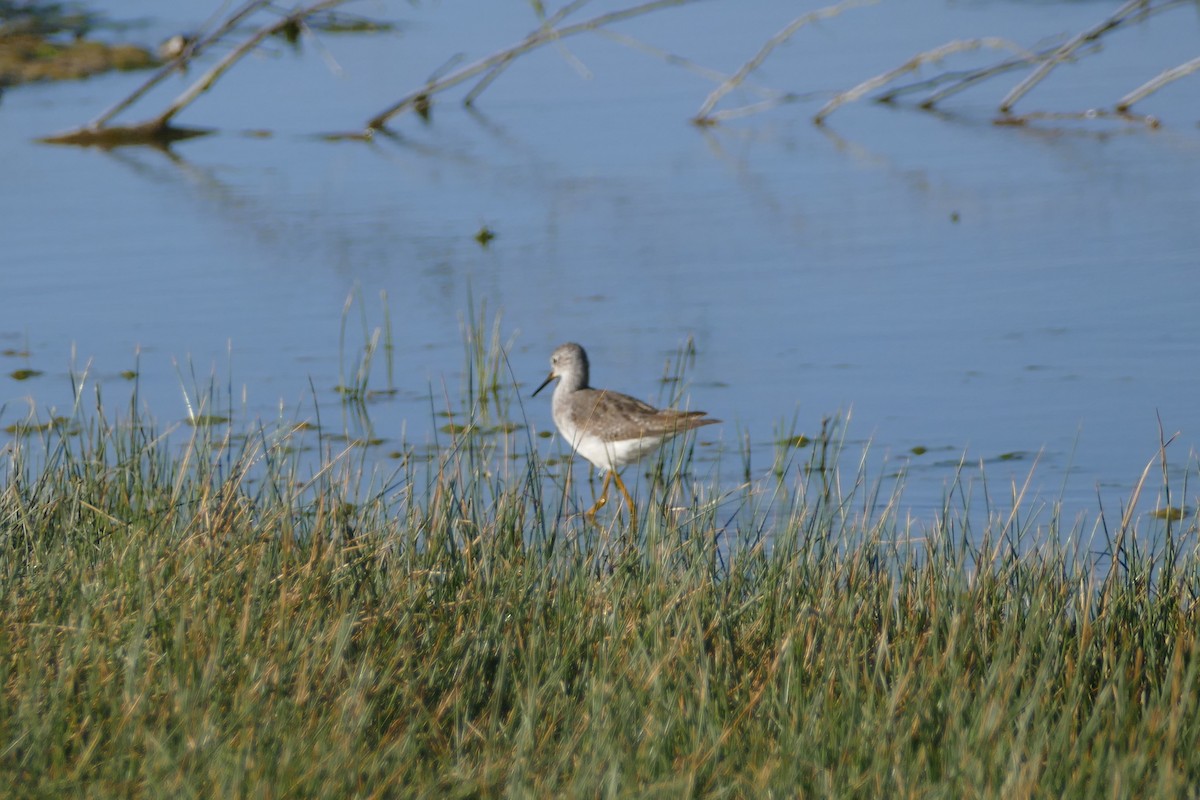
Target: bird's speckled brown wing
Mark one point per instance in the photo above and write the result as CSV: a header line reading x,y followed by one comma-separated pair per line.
x,y
614,416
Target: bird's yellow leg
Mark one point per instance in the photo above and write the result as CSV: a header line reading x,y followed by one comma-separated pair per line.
x,y
628,501
591,512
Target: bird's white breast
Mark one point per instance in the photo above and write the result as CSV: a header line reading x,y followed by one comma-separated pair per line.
x,y
611,455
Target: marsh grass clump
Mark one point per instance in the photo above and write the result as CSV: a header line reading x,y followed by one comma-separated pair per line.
x,y
209,617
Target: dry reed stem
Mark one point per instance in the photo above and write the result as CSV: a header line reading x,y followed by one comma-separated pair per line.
x,y
184,56
571,59
716,76
546,26
748,109
533,41
1134,11
703,115
1017,502
913,64
1127,523
1064,52
1159,81
961,80
157,130
209,78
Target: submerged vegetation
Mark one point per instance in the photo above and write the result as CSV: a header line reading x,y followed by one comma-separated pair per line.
x,y
209,617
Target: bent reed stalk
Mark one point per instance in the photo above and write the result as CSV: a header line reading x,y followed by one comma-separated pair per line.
x,y
212,619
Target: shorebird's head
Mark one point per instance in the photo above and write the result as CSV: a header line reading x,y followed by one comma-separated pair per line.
x,y
570,363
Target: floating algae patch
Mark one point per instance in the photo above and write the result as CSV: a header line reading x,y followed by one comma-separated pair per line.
x,y
795,441
1172,513
27,58
356,394
50,41
24,374
60,424
484,236
207,420
357,441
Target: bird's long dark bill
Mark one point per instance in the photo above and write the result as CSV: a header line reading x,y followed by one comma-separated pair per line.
x,y
549,378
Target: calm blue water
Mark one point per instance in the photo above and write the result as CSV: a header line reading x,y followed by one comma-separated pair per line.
x,y
987,293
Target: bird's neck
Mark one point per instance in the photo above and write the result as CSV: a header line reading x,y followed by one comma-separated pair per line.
x,y
572,382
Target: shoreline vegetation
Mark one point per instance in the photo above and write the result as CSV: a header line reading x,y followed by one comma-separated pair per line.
x,y
208,617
